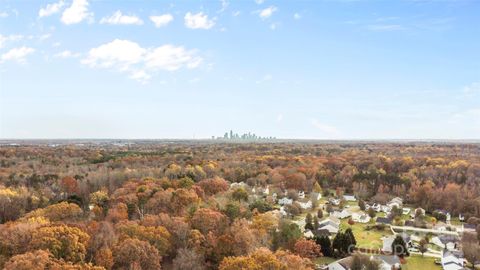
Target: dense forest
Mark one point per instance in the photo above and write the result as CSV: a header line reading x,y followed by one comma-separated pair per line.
x,y
152,205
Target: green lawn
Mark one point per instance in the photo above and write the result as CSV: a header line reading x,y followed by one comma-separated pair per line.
x,y
418,262
366,239
324,260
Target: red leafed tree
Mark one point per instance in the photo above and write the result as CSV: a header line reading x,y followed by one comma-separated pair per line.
x,y
307,249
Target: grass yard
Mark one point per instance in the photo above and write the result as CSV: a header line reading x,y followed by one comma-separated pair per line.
x,y
366,239
418,262
324,260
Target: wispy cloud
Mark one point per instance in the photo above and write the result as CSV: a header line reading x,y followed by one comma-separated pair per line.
x,y
267,12
385,27
18,55
161,20
66,54
472,89
279,118
326,129
198,21
118,18
51,9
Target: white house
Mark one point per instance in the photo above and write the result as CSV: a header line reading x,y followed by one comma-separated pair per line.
x,y
406,210
349,198
238,185
452,261
334,201
305,205
360,217
388,240
315,196
445,241
285,201
266,191
420,210
331,224
386,263
377,207
308,234
397,201
342,214
301,195
386,209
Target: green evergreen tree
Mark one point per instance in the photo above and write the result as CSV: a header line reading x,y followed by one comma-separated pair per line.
x,y
399,247
308,222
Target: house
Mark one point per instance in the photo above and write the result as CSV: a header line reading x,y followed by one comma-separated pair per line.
x,y
282,211
469,227
349,198
238,185
305,205
360,217
445,213
406,211
419,210
461,217
448,242
397,201
341,214
331,224
383,220
334,201
377,207
308,234
386,209
315,196
301,194
386,262
266,191
388,241
452,260
285,201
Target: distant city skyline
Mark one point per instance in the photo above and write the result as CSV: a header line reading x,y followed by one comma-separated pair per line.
x,y
337,70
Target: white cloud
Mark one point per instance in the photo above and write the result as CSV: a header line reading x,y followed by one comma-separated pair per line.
x,y
236,13
17,54
118,53
161,20
44,36
279,118
76,13
472,89
329,130
3,14
385,27
198,21
66,54
265,78
129,57
140,76
171,58
259,2
5,39
267,13
119,18
51,9
297,16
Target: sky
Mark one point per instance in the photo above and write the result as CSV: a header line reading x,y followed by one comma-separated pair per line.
x,y
195,69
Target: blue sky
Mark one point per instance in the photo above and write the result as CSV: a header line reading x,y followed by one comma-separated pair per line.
x,y
193,69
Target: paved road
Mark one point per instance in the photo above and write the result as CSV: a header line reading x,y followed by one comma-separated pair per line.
x,y
408,228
